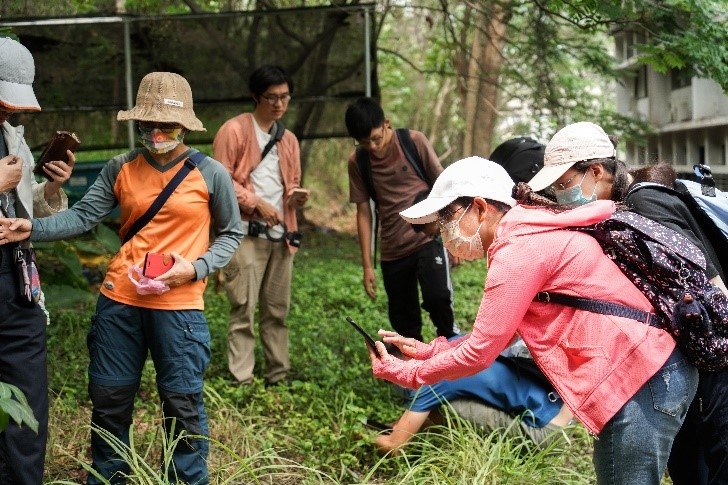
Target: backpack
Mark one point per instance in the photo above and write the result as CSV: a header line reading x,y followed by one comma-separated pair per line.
x,y
665,266
707,204
365,168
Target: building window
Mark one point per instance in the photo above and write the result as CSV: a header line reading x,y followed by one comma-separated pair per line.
x,y
680,78
640,83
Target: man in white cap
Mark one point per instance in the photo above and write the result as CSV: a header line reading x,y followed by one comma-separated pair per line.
x,y
23,329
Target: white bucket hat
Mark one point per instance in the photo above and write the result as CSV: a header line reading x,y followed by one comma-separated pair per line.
x,y
469,177
17,72
571,144
164,97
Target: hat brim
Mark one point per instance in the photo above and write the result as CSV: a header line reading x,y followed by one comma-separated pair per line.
x,y
426,210
18,96
548,175
192,123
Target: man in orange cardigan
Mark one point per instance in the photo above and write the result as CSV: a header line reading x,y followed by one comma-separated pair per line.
x,y
266,171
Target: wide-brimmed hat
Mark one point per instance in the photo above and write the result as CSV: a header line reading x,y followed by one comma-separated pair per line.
x,y
164,97
572,144
469,177
17,72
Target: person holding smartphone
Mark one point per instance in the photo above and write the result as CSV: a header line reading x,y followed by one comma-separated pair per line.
x,y
264,160
23,330
130,324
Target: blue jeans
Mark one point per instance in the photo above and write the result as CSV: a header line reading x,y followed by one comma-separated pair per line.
x,y
634,445
179,343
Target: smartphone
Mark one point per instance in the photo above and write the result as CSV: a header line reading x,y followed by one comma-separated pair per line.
x,y
156,264
56,150
367,338
299,194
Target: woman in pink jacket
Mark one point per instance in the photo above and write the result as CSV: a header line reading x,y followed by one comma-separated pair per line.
x,y
624,380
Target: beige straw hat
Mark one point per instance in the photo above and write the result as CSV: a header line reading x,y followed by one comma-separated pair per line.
x,y
164,97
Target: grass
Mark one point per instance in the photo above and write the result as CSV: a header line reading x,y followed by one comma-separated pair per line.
x,y
312,431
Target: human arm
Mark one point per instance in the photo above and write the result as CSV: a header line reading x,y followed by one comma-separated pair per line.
x,y
415,349
14,230
364,229
403,431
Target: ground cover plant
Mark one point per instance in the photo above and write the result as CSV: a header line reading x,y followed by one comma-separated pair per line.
x,y
312,430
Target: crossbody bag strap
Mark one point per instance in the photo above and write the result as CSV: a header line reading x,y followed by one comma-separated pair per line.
x,y
189,165
600,306
274,138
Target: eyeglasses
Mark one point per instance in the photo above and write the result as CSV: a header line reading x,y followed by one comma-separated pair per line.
x,y
563,185
371,141
147,127
445,215
273,99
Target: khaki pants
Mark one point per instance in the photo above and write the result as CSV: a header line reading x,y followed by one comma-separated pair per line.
x,y
259,272
491,419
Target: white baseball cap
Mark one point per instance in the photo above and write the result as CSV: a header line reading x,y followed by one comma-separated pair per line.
x,y
571,144
17,72
469,177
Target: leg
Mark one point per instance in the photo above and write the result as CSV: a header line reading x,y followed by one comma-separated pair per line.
x,y
179,342
243,277
634,445
403,299
433,273
23,364
713,404
686,464
275,300
117,351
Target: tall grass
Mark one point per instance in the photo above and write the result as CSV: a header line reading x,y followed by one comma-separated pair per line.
x,y
313,430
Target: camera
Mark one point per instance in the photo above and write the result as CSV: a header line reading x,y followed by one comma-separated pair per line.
x,y
259,229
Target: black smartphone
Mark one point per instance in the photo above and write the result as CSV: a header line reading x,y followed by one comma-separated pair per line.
x,y
367,338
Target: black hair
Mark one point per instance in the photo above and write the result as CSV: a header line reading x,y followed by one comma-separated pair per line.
x,y
267,76
614,167
362,116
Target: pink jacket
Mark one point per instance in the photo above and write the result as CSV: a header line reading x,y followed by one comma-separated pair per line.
x,y
596,362
236,147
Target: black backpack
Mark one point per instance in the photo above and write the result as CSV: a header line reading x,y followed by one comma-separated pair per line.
x,y
365,168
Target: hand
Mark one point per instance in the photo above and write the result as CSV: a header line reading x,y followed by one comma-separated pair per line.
x,y
370,283
297,197
59,172
11,171
454,260
270,214
406,345
384,366
14,230
180,273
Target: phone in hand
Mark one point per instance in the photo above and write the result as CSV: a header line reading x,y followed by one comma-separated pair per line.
x,y
367,338
156,264
298,195
56,150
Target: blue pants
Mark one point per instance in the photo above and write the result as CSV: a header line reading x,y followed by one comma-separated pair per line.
x,y
23,364
179,343
634,445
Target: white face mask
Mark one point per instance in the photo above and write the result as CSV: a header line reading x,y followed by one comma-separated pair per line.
x,y
469,248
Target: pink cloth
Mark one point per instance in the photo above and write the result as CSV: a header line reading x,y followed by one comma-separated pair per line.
x,y
236,147
596,362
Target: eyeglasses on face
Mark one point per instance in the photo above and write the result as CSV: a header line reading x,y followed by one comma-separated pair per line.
x,y
147,127
273,99
563,185
371,141
446,214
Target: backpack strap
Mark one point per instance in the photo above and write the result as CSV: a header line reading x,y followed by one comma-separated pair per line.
x,y
410,153
704,177
189,165
600,306
275,137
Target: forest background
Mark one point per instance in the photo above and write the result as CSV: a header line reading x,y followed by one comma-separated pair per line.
x,y
469,74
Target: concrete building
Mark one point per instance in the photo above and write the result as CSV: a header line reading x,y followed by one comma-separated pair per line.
x,y
689,115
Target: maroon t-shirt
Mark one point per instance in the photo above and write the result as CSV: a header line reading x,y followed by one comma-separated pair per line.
x,y
397,185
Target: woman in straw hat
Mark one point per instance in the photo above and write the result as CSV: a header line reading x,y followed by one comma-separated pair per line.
x,y
624,380
161,315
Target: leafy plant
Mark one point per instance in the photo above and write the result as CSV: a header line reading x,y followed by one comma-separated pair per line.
x,y
13,404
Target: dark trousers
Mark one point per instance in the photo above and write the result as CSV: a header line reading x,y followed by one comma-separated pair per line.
x,y
22,364
699,454
429,267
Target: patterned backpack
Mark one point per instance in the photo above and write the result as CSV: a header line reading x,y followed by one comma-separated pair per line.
x,y
665,266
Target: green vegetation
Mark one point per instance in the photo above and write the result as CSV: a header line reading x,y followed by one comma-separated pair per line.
x,y
313,430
